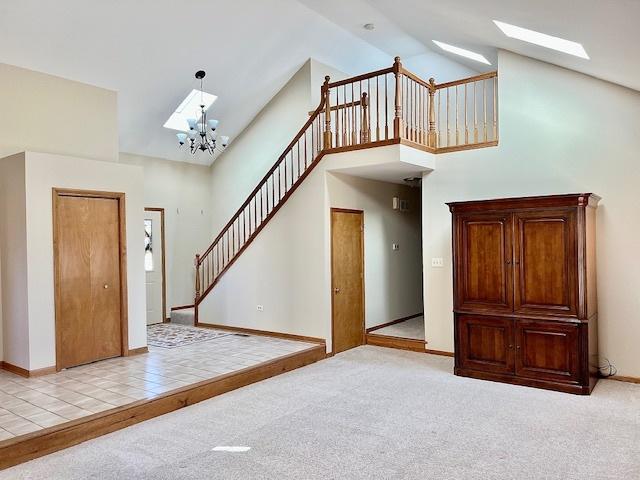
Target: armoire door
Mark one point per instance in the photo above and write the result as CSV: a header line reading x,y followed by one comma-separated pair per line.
x,y
484,278
485,343
547,350
88,282
545,262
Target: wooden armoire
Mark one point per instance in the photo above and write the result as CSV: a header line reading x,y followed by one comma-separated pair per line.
x,y
524,298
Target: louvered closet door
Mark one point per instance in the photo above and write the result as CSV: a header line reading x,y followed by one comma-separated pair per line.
x,y
484,279
545,262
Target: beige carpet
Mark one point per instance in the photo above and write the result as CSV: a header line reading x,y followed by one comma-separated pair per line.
x,y
372,413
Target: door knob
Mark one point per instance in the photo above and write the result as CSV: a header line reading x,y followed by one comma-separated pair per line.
x,y
336,290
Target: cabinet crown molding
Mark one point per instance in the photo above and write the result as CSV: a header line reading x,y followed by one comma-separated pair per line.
x,y
517,203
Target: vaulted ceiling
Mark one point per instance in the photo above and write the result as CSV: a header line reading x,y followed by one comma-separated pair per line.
x,y
148,50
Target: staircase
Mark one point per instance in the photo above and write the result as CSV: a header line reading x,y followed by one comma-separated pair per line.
x,y
385,107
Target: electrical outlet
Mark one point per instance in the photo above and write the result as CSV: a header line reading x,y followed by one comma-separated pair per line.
x,y
395,246
437,262
260,308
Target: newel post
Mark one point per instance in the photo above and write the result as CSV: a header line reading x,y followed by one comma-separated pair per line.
x,y
432,138
327,113
397,119
197,276
364,124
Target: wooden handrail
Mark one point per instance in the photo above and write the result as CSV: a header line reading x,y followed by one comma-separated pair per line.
x,y
307,124
475,78
360,78
388,106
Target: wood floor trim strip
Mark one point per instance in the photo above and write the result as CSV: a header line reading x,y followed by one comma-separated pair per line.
x,y
396,342
393,322
264,333
49,440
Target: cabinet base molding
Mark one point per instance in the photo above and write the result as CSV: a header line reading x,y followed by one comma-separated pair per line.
x,y
527,382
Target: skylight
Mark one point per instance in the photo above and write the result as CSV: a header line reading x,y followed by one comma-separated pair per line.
x,y
542,39
189,108
462,52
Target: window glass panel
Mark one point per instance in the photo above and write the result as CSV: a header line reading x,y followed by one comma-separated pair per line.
x,y
148,245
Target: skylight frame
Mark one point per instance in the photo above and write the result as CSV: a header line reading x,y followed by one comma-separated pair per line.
x,y
463,52
190,108
543,40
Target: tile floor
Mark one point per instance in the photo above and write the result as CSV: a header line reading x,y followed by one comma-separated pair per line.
x,y
31,404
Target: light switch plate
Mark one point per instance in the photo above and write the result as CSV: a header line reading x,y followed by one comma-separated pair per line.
x,y
437,262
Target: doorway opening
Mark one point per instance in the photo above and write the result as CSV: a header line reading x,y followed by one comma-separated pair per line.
x,y
391,254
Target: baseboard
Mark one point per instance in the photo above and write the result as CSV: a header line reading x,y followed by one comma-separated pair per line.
x,y
138,351
43,442
393,322
440,352
27,373
181,307
265,333
622,378
396,342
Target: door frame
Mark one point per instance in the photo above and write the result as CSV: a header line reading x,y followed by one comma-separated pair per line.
x,y
361,213
124,303
164,267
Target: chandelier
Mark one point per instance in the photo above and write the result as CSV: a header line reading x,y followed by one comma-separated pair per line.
x,y
202,134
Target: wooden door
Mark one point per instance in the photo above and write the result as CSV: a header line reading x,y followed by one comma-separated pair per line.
x,y
347,278
547,350
545,262
485,343
483,250
87,243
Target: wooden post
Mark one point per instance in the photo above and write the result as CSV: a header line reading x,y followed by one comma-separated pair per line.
x,y
432,136
197,276
327,114
397,120
364,123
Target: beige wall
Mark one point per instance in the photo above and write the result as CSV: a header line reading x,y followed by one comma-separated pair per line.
x,y
13,257
40,112
560,132
393,278
43,172
183,190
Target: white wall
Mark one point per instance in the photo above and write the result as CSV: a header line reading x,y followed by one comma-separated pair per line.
x,y
42,173
393,279
14,328
183,190
560,132
40,112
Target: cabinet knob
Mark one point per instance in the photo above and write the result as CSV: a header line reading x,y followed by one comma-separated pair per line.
x,y
508,262
518,347
511,347
336,290
106,286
